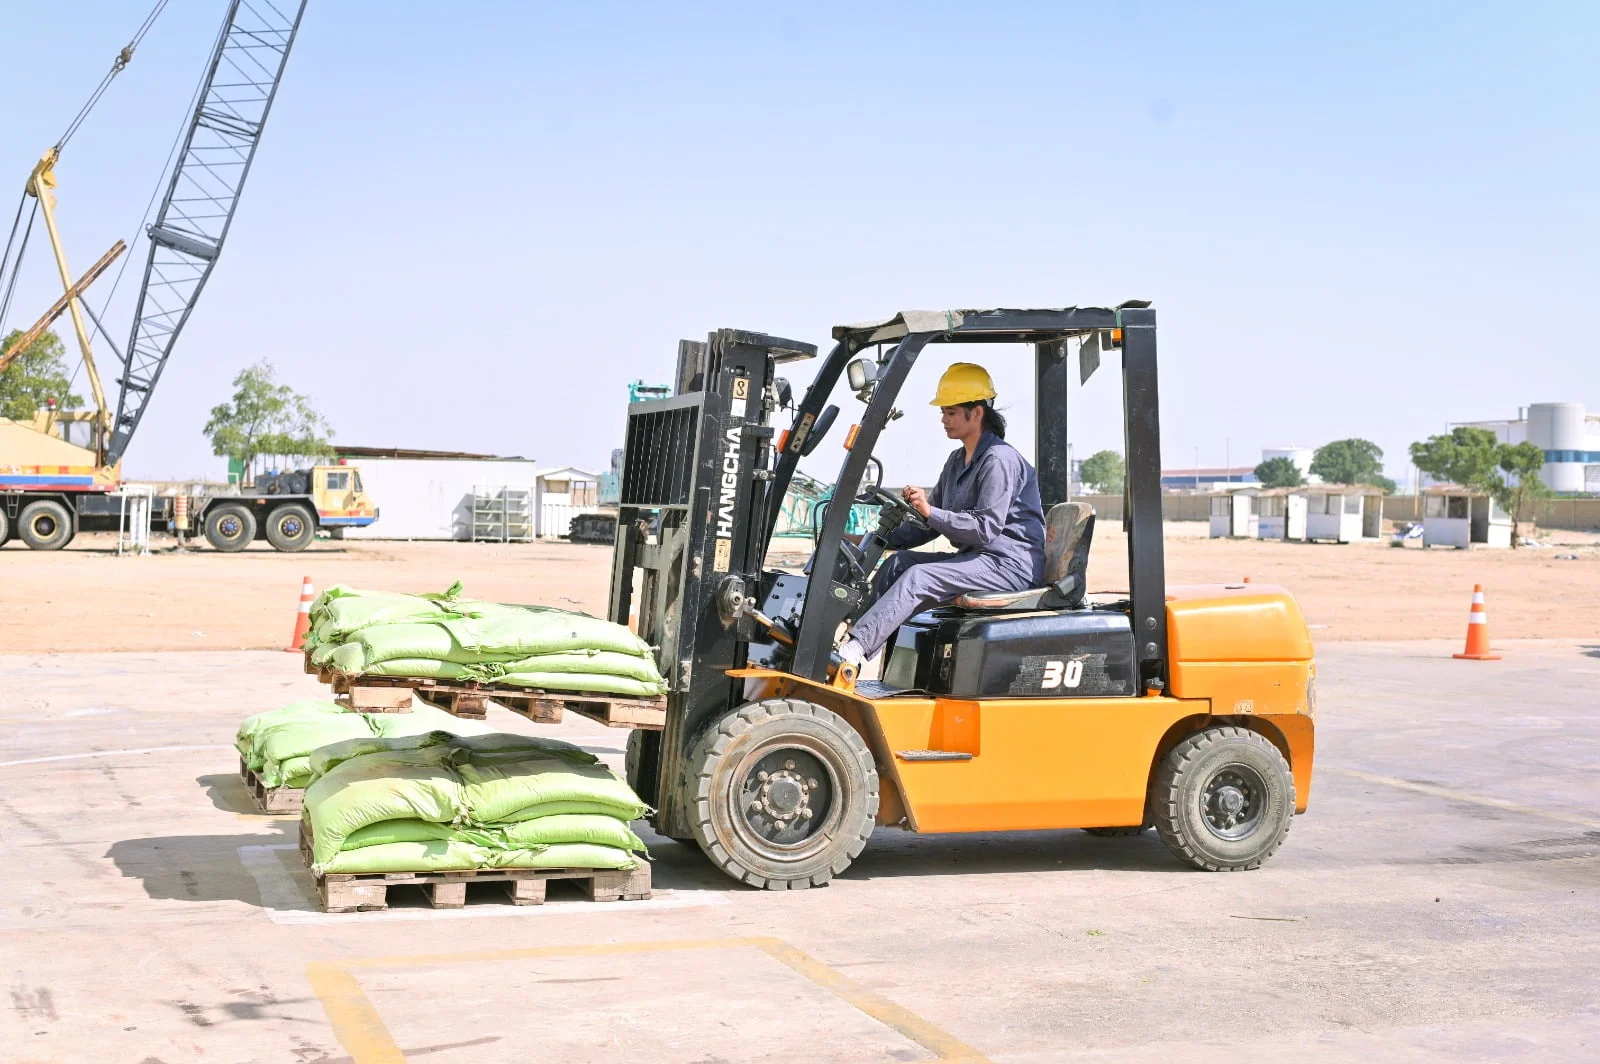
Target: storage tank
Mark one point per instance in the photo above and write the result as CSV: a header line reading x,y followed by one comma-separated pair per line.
x,y
1300,456
1561,431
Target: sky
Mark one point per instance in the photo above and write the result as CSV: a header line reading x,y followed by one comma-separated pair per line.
x,y
469,225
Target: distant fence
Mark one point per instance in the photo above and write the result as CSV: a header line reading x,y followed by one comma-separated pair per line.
x,y
1575,514
1579,515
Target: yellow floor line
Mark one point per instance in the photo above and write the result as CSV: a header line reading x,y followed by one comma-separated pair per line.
x,y
356,1023
1461,796
361,1031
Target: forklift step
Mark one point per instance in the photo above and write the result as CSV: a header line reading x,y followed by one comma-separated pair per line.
x,y
932,755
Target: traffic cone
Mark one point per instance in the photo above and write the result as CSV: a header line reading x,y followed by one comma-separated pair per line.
x,y
1478,630
302,619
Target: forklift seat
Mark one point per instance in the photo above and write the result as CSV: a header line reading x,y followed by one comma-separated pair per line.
x,y
1068,531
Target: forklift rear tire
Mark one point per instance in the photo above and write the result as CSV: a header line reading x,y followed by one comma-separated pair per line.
x,y
230,527
45,525
1223,799
291,528
785,794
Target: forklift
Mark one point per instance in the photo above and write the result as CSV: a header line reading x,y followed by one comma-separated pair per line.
x,y
1188,709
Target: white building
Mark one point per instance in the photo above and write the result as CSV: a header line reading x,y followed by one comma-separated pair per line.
x,y
430,494
1300,456
562,495
1569,437
1454,516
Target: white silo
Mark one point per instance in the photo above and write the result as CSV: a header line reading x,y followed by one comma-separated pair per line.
x,y
1561,431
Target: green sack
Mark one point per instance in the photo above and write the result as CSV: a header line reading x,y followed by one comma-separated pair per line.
x,y
341,610
252,725
494,793
293,772
588,683
423,719
388,832
325,758
445,855
499,748
569,828
457,856
523,631
539,812
388,785
298,737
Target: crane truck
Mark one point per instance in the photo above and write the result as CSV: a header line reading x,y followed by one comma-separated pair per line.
x,y
61,472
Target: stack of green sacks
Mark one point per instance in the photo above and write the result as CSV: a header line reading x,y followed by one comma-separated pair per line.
x,y
277,745
444,803
447,637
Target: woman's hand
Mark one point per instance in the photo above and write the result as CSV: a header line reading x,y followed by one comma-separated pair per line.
x,y
917,499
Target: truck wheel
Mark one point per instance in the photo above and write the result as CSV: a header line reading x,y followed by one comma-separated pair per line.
x,y
45,525
785,794
1223,799
5,528
291,528
230,527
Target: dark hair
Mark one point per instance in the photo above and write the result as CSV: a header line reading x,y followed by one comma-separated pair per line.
x,y
993,420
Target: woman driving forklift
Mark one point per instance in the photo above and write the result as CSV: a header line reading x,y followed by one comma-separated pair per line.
x,y
986,504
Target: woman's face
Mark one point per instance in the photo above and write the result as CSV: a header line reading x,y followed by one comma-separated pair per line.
x,y
959,421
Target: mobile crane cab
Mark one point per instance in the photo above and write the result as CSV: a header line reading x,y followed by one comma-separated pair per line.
x,y
1187,709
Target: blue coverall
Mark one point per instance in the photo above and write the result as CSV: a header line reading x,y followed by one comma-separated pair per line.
x,y
989,509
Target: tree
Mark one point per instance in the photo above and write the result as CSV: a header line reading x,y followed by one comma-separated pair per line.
x,y
1466,456
1352,461
1476,458
1279,473
1104,471
266,417
36,376
1523,461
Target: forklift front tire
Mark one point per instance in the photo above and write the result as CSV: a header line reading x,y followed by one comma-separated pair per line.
x,y
1223,799
785,794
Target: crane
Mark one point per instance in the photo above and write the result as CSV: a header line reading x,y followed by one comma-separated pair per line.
x,y
50,485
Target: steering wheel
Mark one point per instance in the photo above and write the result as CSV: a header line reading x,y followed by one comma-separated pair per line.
x,y
908,513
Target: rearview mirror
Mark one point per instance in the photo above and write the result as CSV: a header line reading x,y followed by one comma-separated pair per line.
x,y
860,373
785,393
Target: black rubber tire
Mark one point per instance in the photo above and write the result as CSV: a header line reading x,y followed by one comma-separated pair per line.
x,y
291,528
230,527
739,741
1117,833
45,525
1180,785
5,527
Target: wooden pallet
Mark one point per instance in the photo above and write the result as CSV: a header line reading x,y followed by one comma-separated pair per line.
x,y
270,799
393,694
342,893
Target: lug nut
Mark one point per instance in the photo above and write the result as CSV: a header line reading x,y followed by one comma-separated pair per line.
x,y
813,784
789,765
762,776
755,807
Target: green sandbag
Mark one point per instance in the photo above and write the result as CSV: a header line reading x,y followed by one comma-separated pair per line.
x,y
389,785
422,719
341,610
496,793
445,855
457,856
538,812
569,828
597,830
293,772
325,758
523,631
498,748
252,725
298,737
590,683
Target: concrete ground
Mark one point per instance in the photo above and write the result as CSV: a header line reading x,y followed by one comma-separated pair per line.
x,y
1440,902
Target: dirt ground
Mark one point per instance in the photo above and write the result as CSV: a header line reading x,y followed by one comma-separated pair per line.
x,y
86,598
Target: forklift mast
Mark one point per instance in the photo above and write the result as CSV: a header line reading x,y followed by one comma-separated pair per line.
x,y
692,524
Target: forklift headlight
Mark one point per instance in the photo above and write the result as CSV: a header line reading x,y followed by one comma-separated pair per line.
x,y
861,373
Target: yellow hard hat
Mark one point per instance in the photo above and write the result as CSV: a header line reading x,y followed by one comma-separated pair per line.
x,y
963,382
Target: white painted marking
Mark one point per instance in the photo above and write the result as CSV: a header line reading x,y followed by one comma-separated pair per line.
x,y
110,753
287,903
1478,618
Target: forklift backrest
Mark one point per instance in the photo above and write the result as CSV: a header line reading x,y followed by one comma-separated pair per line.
x,y
1068,531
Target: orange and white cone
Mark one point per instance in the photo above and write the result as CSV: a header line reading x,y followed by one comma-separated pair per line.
x,y
302,620
1478,630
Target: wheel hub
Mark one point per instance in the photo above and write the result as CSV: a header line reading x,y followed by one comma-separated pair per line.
x,y
1233,802
785,797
